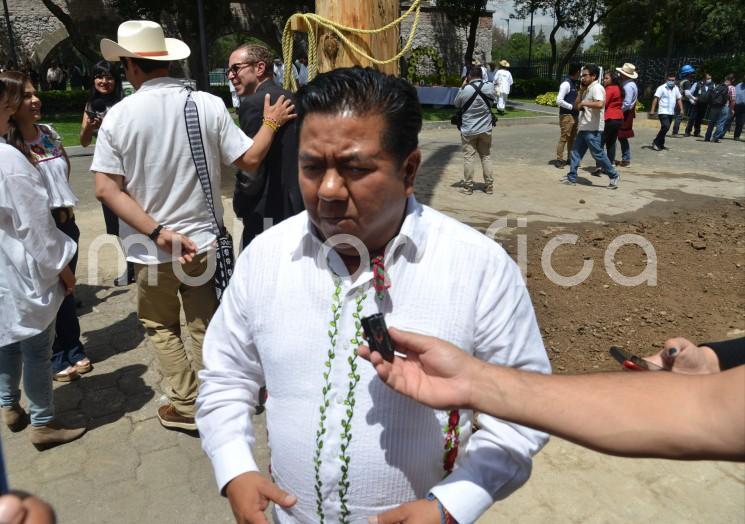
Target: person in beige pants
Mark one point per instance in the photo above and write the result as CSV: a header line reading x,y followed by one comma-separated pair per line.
x,y
475,100
566,99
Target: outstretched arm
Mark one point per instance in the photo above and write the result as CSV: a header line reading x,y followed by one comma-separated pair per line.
x,y
628,414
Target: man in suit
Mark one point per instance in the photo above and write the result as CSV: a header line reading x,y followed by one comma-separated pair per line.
x,y
274,195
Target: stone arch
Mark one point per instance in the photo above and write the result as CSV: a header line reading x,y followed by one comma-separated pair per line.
x,y
50,41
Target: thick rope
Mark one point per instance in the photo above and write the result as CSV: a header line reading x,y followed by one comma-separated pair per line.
x,y
313,22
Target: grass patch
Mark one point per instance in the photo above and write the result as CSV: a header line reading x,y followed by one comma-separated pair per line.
x,y
68,127
432,114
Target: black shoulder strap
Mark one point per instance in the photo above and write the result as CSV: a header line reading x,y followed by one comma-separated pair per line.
x,y
470,100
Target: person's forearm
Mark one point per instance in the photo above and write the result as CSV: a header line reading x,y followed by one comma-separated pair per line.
x,y
86,136
627,414
254,155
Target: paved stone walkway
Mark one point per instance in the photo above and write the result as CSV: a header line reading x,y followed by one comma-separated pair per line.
x,y
128,469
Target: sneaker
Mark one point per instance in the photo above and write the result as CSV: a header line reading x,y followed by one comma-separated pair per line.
x,y
687,134
489,189
466,190
597,171
614,182
54,434
656,147
15,417
66,375
568,181
170,418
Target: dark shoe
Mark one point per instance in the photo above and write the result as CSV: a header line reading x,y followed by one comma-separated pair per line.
x,y
707,139
656,147
170,418
716,140
66,375
126,278
53,434
687,134
597,171
489,189
15,417
466,190
697,135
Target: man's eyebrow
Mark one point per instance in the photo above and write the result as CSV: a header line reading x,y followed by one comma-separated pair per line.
x,y
344,158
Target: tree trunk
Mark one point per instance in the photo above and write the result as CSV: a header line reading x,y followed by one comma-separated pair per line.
x,y
473,27
80,42
363,14
578,40
552,59
670,41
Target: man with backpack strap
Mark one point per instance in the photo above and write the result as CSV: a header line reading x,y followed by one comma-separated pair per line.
x,y
685,84
700,93
719,109
474,101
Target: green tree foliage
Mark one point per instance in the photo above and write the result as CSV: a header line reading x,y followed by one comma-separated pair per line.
x,y
516,48
465,13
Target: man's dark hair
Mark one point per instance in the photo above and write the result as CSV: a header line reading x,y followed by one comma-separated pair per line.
x,y
731,78
147,66
593,69
475,72
671,74
367,92
574,69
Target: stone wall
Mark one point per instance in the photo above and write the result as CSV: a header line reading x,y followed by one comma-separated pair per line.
x,y
435,30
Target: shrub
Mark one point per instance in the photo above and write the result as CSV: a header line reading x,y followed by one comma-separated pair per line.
x,y
532,87
547,99
56,102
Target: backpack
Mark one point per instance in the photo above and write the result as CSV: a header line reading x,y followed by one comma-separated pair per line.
x,y
720,96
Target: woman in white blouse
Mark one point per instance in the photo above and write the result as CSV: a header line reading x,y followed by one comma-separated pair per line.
x,y
42,146
34,277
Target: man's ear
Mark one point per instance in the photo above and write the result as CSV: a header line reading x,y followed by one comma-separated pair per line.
x,y
261,68
410,169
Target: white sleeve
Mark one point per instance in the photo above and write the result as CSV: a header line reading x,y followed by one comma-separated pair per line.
x,y
563,91
106,157
498,458
230,383
233,141
658,92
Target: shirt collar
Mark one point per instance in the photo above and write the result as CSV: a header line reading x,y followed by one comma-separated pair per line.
x,y
410,240
161,81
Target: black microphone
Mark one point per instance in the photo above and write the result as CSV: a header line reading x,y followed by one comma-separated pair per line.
x,y
98,106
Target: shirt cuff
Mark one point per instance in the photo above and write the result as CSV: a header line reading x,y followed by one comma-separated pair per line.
x,y
465,500
230,460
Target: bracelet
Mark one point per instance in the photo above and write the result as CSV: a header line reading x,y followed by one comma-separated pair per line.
x,y
445,516
156,233
271,123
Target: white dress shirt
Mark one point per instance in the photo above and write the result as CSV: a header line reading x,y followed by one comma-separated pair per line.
x,y
592,118
503,79
273,328
144,139
668,99
564,89
33,251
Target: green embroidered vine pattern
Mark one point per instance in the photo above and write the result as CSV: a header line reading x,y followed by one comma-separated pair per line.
x,y
333,332
346,436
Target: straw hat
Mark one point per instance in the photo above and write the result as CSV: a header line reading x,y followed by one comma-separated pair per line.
x,y
143,39
504,63
628,70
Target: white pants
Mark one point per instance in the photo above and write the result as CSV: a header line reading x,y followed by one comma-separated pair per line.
x,y
501,99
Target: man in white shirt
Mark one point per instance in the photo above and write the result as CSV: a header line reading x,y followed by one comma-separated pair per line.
x,y
568,115
503,81
345,447
666,97
146,175
590,128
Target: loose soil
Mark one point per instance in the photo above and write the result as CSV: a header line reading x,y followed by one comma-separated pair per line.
x,y
699,291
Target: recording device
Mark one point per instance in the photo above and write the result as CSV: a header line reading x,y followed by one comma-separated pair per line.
x,y
98,107
377,336
632,362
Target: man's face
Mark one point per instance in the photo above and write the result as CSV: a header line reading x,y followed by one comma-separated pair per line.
x,y
586,77
243,73
349,182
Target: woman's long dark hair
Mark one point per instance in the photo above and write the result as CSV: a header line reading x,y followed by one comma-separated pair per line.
x,y
106,68
15,83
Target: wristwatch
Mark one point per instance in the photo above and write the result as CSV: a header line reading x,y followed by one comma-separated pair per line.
x,y
156,232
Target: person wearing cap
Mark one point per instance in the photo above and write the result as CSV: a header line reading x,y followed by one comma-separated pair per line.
x,y
628,107
503,83
145,173
687,73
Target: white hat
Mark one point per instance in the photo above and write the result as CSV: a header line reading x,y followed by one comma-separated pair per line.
x,y
143,39
504,63
628,70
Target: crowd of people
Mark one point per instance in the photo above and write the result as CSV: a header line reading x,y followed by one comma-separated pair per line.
x,y
334,166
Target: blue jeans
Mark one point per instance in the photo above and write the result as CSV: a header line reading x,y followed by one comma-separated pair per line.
x,y
30,356
592,140
625,149
717,118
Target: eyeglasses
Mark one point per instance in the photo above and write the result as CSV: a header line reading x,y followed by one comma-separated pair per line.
x,y
238,66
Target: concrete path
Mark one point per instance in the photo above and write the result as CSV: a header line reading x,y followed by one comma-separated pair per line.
x,y
128,469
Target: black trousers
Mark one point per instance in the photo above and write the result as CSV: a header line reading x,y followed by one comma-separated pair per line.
x,y
665,121
698,112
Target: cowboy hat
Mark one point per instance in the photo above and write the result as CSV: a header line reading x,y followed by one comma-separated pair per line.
x,y
143,39
628,70
504,63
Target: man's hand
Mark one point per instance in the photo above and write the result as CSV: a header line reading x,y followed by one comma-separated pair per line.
x,y
249,495
21,508
281,111
683,356
417,512
68,280
177,244
434,372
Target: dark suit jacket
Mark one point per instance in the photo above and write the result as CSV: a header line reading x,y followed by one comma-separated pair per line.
x,y
276,194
